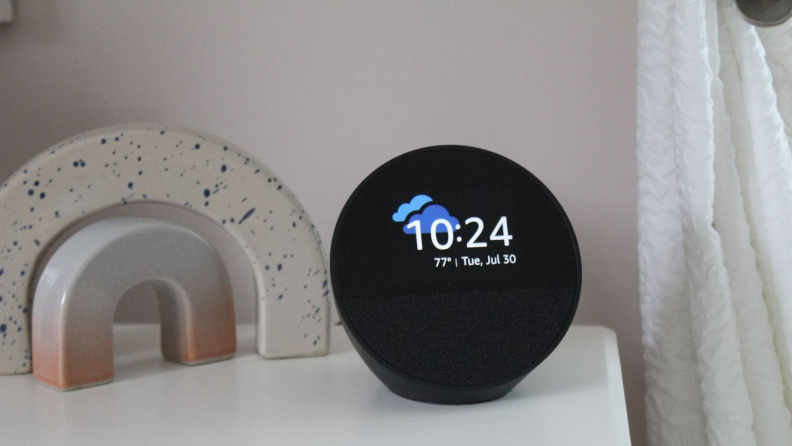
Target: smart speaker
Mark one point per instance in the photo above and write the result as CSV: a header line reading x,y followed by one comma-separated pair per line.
x,y
456,272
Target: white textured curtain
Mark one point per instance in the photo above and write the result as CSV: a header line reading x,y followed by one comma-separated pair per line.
x,y
715,224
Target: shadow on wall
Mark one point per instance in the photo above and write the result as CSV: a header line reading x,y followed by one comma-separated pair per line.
x,y
33,121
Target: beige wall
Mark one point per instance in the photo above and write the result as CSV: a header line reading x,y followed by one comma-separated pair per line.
x,y
325,91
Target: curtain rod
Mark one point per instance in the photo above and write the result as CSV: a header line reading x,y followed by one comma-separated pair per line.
x,y
765,12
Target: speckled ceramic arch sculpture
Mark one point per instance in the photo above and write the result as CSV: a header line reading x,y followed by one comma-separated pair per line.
x,y
82,284
127,164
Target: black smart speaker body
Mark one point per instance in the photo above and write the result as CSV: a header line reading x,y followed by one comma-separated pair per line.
x,y
456,272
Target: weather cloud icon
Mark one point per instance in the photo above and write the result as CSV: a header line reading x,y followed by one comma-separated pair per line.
x,y
429,216
408,208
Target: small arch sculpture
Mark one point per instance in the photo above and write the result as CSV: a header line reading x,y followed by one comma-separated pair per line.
x,y
82,284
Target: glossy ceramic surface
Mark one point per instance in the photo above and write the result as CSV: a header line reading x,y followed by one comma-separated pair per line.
x,y
82,284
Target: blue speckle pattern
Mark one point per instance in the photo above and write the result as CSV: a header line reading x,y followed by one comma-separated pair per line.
x,y
130,164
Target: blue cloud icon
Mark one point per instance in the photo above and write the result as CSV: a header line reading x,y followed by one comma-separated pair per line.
x,y
428,216
408,208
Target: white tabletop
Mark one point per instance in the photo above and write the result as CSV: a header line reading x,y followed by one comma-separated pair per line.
x,y
574,398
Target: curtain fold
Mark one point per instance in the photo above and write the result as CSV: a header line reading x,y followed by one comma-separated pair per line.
x,y
715,224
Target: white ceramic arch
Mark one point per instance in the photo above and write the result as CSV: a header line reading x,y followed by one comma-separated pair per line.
x,y
144,163
81,285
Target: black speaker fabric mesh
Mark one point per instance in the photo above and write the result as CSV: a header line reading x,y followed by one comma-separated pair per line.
x,y
463,339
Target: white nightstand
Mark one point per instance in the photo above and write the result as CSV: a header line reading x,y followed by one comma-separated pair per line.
x,y
576,398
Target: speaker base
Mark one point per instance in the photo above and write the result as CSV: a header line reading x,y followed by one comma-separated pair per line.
x,y
412,389
452,397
